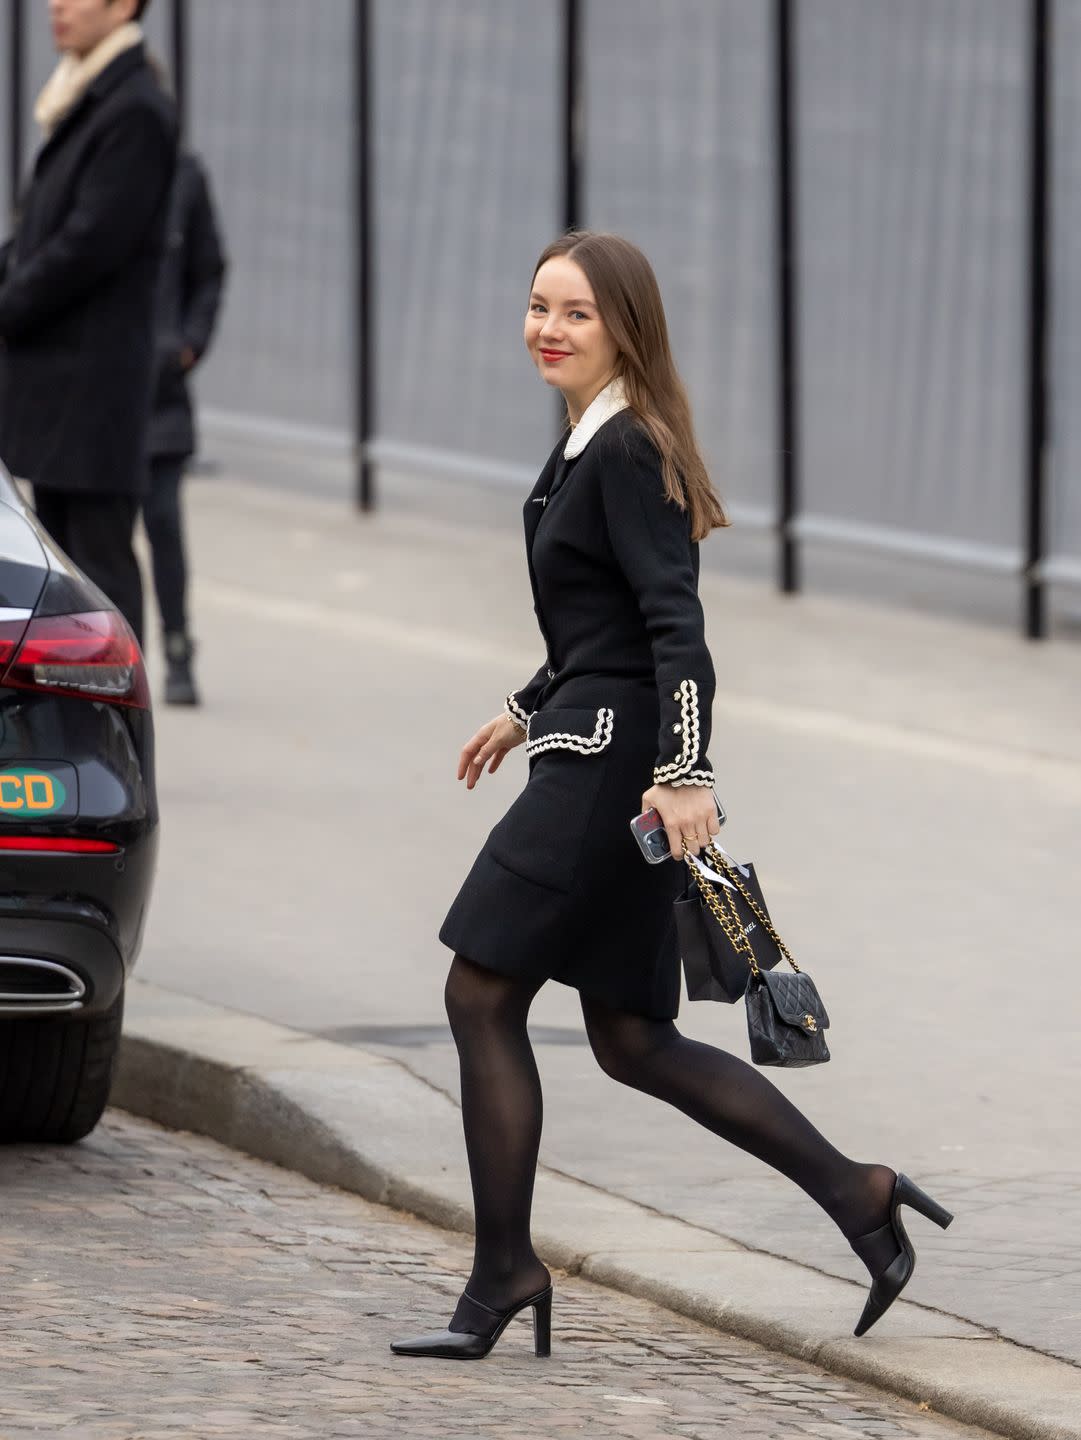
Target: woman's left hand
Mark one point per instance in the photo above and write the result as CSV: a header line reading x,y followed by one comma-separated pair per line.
x,y
685,810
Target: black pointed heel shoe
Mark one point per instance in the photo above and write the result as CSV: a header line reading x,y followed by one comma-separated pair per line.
x,y
887,1285
480,1327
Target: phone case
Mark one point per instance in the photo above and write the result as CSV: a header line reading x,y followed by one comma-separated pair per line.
x,y
651,836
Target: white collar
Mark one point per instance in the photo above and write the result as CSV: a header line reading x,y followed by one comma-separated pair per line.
x,y
611,400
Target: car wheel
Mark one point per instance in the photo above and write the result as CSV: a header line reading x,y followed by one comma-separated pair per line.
x,y
56,1074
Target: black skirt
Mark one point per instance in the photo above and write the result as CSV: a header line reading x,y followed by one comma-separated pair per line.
x,y
560,890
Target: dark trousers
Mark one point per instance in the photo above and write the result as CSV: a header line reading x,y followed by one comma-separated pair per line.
x,y
164,525
95,531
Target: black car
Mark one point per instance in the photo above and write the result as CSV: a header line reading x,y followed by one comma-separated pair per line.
x,y
78,832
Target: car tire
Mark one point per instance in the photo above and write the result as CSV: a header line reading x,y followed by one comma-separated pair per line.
x,y
56,1074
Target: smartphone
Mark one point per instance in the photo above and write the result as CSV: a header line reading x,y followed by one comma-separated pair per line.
x,y
652,837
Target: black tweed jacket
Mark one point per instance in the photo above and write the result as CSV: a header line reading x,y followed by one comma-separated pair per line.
x,y
615,588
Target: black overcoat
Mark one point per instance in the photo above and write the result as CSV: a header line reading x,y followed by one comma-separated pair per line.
x,y
560,889
79,285
189,298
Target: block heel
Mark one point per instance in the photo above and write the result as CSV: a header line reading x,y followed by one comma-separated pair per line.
x,y
910,1194
480,1327
887,1285
542,1324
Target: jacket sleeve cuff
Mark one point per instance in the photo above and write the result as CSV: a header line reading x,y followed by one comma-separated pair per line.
x,y
682,725
693,777
515,711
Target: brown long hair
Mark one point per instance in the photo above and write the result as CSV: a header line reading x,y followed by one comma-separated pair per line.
x,y
629,301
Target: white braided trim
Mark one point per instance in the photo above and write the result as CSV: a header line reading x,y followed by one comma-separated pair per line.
x,y
516,713
584,744
696,777
688,709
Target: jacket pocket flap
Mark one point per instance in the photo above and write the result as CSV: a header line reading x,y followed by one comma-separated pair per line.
x,y
584,731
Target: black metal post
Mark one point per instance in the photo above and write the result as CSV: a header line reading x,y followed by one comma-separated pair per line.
x,y
364,348
787,293
16,94
1039,262
180,61
573,119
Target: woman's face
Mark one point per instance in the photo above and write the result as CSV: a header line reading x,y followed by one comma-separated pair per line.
x,y
564,333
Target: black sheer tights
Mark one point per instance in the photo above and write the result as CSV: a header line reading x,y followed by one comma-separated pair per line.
x,y
739,1104
501,1111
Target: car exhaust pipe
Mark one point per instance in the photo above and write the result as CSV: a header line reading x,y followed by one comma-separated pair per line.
x,y
38,987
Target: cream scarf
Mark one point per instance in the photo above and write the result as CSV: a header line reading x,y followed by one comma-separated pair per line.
x,y
74,75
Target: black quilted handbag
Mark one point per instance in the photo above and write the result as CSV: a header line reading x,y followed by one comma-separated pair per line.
x,y
786,1019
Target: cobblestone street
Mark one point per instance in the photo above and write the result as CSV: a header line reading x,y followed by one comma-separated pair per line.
x,y
158,1285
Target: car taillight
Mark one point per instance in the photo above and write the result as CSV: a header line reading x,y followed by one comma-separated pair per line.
x,y
94,655
11,632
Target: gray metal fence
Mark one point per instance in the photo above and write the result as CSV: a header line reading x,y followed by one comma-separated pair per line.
x,y
914,227
466,185
1064,543
679,155
911,186
270,108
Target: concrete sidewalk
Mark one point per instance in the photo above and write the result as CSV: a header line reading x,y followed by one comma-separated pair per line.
x,y
910,788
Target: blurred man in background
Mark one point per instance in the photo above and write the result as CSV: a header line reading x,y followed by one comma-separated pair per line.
x,y
189,298
78,288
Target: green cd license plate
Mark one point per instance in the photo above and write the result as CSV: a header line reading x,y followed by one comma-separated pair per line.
x,y
38,792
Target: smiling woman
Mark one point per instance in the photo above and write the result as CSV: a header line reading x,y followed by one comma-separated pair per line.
x,y
581,278
564,332
616,719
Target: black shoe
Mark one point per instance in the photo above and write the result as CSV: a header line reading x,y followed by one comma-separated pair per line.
x,y
179,679
888,1284
480,1328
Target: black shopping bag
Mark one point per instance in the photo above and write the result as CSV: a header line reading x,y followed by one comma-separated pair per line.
x,y
713,968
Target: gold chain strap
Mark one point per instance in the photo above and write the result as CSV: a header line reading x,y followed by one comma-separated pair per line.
x,y
728,919
725,913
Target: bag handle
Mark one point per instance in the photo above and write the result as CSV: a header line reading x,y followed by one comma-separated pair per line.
x,y
707,872
724,911
722,858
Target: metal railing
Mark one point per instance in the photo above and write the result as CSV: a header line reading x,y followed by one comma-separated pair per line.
x,y
791,526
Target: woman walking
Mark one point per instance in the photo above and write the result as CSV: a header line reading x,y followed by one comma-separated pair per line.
x,y
616,719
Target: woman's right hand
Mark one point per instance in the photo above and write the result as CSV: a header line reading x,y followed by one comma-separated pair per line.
x,y
491,742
